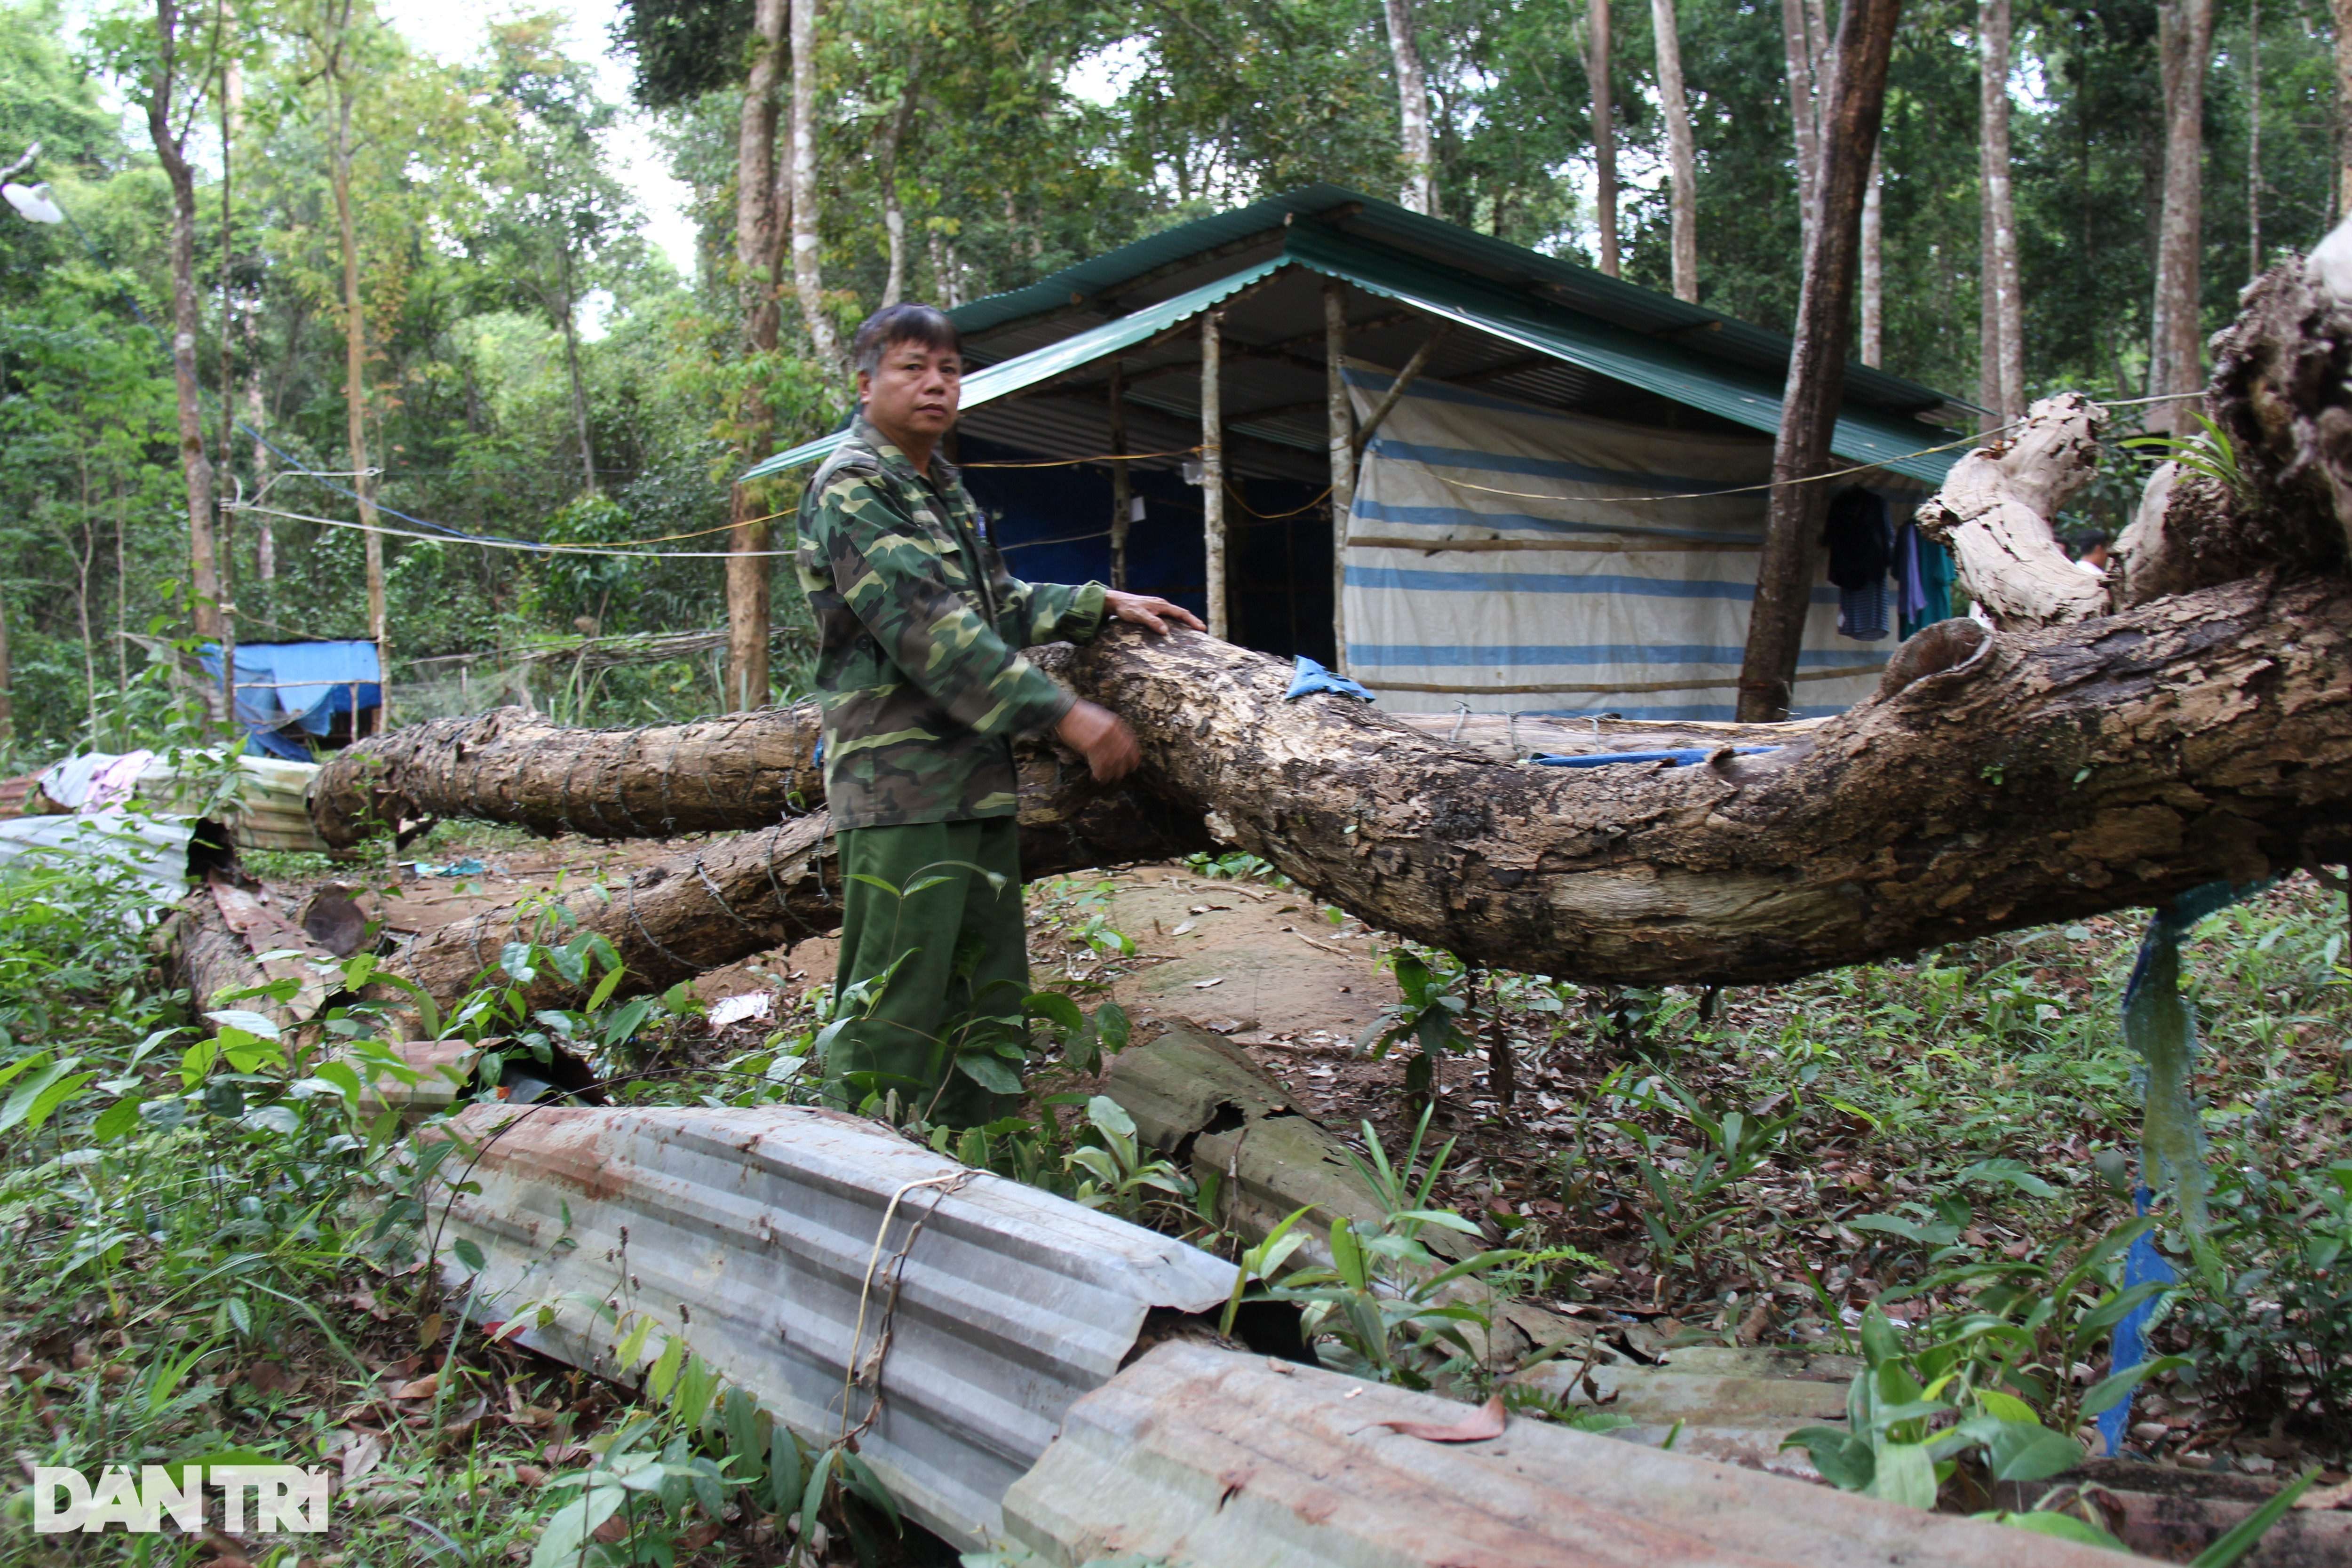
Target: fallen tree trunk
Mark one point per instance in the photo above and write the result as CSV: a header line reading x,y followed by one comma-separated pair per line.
x,y
510,765
710,907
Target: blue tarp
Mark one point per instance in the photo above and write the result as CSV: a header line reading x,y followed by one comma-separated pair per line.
x,y
298,683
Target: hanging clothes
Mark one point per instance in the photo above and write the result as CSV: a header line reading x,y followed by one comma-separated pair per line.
x,y
1923,569
1862,551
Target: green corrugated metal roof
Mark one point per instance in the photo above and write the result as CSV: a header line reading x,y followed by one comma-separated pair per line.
x,y
1733,391
1712,336
1737,393
1055,359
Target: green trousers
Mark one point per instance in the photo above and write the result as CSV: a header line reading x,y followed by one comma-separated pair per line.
x,y
954,949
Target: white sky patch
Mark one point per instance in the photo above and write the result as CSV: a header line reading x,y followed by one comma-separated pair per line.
x,y
451,30
1103,76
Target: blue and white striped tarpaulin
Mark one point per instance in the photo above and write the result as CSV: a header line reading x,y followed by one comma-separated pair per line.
x,y
1517,558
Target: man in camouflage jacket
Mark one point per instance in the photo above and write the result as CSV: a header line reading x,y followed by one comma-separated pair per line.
x,y
923,687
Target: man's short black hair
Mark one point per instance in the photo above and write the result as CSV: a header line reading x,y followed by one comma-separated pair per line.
x,y
2090,542
903,324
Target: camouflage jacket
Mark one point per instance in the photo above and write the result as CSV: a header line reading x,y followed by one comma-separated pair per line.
x,y
919,670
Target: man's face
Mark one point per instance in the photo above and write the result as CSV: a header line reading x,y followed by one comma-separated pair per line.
x,y
914,390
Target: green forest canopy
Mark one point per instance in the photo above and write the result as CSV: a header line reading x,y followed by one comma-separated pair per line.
x,y
491,208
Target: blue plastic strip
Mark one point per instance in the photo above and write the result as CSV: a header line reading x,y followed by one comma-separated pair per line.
x,y
1310,677
1680,757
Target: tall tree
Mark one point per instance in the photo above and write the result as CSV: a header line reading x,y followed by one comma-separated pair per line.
x,y
1801,41
1874,263
808,280
1604,134
759,191
169,72
1808,407
1682,150
1413,109
891,140
2000,369
2176,360
338,40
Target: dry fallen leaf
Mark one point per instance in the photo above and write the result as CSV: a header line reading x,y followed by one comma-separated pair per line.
x,y
530,1475
2326,1497
1481,1423
1204,985
424,1387
1180,930
361,1453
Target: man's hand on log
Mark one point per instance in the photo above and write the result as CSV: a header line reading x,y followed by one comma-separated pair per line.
x,y
1102,737
1149,611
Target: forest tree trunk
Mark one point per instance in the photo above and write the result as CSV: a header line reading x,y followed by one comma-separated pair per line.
x,y
1804,113
894,205
339,72
2342,12
1874,264
195,463
808,280
1784,577
2001,367
757,236
1682,152
1412,110
1604,136
2184,46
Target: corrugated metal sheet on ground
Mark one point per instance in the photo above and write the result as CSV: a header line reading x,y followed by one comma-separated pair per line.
x,y
1215,1459
750,1235
1570,586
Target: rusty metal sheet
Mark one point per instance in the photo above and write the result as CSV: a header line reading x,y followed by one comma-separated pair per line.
x,y
753,1235
1217,1459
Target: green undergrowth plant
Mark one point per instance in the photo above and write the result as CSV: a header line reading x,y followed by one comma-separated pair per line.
x,y
1388,1307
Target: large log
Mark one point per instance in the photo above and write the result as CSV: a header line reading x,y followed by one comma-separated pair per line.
x,y
1994,781
713,905
510,765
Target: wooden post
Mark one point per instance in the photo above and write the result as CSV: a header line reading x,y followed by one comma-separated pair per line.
x,y
1343,457
1213,467
1604,135
1808,408
1122,500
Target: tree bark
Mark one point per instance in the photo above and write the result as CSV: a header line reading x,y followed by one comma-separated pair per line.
x,y
2184,46
757,239
712,905
1784,577
2000,366
1873,265
1995,511
1804,113
1420,192
894,206
808,280
512,765
1604,136
1682,150
195,463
